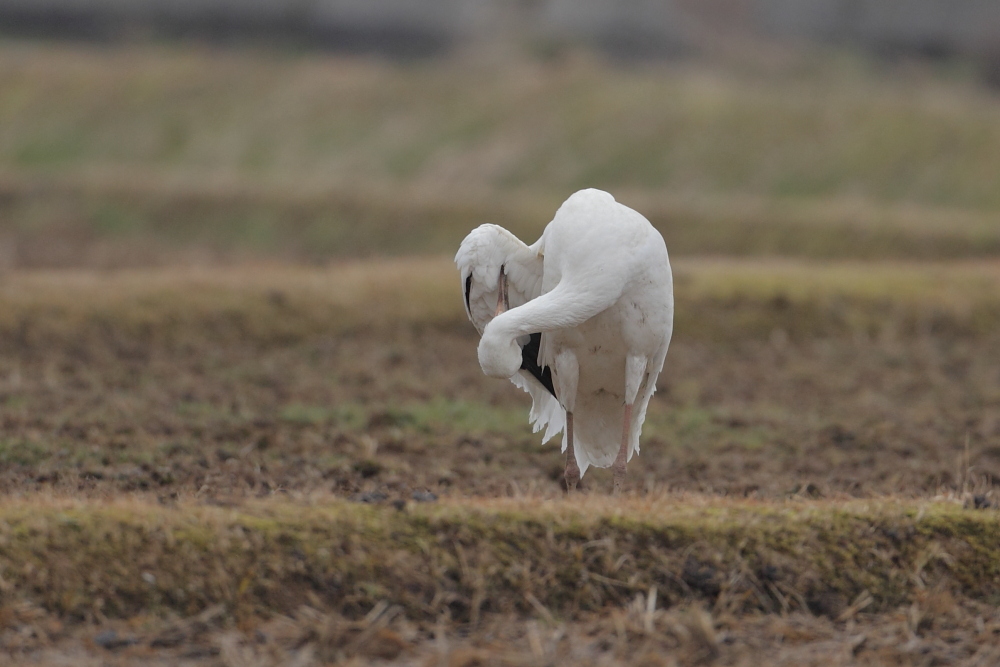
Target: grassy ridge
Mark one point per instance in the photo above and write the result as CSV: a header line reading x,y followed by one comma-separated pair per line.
x,y
716,300
475,557
148,217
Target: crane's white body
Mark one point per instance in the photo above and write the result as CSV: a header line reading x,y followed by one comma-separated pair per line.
x,y
597,286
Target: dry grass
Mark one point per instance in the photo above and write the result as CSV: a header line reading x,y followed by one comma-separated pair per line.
x,y
262,302
665,579
836,128
719,299
140,217
467,558
128,157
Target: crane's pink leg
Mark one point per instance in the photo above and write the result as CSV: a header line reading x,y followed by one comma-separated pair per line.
x,y
618,467
572,474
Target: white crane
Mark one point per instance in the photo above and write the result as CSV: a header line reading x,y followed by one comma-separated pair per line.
x,y
581,320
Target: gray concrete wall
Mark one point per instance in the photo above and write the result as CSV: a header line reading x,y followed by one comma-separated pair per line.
x,y
946,26
645,27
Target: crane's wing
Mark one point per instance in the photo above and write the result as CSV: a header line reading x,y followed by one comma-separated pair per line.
x,y
483,253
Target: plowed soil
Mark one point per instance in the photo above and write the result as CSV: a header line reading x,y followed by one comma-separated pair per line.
x,y
349,388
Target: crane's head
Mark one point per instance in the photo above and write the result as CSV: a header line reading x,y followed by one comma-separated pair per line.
x,y
499,353
480,260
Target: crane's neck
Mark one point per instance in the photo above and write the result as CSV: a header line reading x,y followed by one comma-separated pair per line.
x,y
564,307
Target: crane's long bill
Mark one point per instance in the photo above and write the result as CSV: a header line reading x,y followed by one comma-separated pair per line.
x,y
503,300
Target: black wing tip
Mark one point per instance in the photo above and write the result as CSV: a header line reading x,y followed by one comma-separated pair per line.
x,y
468,292
529,362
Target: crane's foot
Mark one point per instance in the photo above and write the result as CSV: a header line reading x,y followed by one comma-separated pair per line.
x,y
619,476
572,474
618,467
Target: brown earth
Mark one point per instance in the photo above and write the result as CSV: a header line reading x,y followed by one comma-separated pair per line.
x,y
267,395
936,631
793,399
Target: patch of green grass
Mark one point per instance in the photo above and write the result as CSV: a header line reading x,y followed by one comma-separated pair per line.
x,y
435,416
442,415
345,415
114,221
15,401
200,410
68,146
703,427
22,452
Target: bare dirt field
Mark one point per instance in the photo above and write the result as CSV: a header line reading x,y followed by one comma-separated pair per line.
x,y
267,465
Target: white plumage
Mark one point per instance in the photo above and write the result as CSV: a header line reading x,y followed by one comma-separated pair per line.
x,y
598,289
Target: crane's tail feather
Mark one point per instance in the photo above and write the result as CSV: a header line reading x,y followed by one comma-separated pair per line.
x,y
546,413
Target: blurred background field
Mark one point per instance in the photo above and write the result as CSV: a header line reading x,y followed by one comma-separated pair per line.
x,y
234,364
122,156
